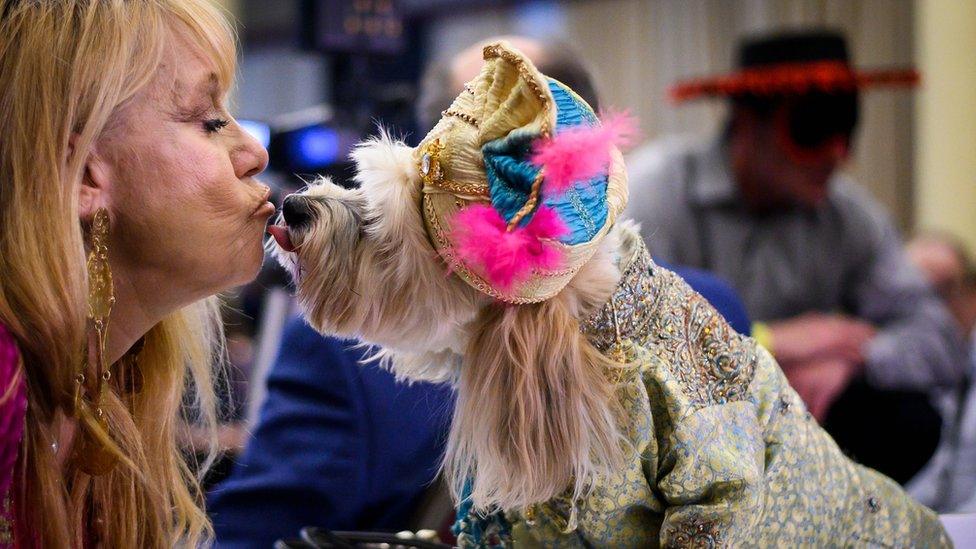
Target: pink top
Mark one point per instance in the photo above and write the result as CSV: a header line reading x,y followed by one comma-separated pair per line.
x,y
13,410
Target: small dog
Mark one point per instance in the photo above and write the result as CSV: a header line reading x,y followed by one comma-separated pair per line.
x,y
535,413
600,400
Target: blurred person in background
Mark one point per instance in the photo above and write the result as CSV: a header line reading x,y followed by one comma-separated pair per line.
x,y
858,332
948,482
949,268
443,79
232,381
338,444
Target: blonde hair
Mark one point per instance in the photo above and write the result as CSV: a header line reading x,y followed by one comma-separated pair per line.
x,y
65,68
536,416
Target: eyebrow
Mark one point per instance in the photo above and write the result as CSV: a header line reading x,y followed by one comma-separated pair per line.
x,y
208,86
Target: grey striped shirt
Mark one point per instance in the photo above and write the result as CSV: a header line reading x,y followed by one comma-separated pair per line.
x,y
844,256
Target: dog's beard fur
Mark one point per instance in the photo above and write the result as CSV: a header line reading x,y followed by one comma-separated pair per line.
x,y
535,414
364,268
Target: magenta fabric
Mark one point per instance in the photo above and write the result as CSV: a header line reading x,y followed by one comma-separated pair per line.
x,y
13,407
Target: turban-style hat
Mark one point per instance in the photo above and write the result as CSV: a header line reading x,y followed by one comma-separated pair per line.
x,y
521,180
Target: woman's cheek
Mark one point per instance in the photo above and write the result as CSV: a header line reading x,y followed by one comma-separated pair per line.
x,y
230,240
240,235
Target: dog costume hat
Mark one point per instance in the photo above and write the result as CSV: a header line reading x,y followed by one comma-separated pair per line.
x,y
521,181
600,401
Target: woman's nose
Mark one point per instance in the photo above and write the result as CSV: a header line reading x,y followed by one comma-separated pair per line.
x,y
250,158
297,210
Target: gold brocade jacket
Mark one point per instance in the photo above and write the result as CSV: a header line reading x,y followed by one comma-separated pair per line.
x,y
727,454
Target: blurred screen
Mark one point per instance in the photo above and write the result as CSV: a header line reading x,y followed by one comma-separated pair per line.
x,y
311,148
360,26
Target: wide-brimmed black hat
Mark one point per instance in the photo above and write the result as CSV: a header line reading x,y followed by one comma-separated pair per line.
x,y
793,63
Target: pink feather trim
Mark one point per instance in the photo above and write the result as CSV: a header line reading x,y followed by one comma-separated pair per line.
x,y
507,258
582,152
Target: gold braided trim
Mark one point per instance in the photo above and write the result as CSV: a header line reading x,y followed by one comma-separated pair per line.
x,y
466,117
494,51
529,205
473,189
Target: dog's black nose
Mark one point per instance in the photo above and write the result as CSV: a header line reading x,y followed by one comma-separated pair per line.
x,y
297,210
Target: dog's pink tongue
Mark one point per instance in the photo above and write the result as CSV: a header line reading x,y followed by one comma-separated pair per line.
x,y
281,236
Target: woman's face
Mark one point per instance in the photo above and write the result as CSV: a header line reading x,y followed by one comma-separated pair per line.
x,y
187,213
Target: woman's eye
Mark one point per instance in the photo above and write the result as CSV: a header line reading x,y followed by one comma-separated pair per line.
x,y
214,125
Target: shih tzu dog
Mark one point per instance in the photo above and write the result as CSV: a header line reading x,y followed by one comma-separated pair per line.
x,y
598,397
530,388
421,260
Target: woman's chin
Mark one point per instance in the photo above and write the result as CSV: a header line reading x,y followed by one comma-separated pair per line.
x,y
247,266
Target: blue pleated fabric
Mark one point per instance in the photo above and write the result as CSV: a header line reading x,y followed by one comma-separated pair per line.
x,y
510,174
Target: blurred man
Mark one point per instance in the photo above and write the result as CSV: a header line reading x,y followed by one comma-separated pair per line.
x,y
812,255
948,482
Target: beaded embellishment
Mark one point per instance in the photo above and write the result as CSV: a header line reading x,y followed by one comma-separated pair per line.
x,y
655,308
432,173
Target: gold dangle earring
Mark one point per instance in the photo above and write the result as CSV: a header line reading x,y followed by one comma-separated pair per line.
x,y
91,453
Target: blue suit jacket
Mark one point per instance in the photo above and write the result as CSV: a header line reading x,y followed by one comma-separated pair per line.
x,y
718,292
338,445
343,446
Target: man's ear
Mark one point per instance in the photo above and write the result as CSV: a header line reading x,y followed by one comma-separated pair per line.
x,y
95,183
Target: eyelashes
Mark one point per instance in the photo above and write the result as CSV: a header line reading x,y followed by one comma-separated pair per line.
x,y
214,125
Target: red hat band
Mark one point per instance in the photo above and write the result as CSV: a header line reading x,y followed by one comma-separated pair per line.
x,y
793,79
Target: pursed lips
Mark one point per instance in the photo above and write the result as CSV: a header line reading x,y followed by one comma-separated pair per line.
x,y
264,208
